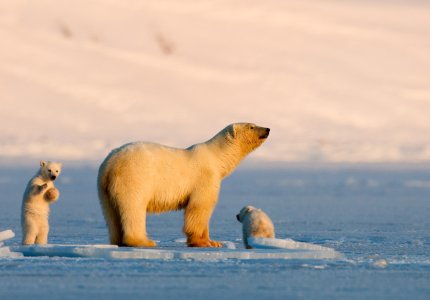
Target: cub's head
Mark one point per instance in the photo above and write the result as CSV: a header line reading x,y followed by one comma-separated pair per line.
x,y
50,170
247,135
243,212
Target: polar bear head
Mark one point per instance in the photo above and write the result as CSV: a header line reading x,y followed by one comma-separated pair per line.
x,y
247,135
243,212
50,170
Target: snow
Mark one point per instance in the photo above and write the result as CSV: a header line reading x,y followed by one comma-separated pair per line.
x,y
337,81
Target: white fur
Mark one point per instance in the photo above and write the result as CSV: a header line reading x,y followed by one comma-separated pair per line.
x,y
145,177
255,224
35,203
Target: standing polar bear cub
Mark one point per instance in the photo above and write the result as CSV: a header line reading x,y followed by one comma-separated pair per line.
x,y
40,192
140,178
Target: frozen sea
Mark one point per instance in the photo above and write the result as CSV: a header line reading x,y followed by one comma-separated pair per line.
x,y
377,216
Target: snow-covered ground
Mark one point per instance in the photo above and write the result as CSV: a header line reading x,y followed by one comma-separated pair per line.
x,y
377,217
335,80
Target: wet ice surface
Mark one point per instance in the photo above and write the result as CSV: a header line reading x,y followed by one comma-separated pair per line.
x,y
263,249
377,217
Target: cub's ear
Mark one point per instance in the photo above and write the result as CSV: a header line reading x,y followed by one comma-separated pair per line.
x,y
249,208
42,163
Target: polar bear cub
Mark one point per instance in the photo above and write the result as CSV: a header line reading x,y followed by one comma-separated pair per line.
x,y
256,223
38,195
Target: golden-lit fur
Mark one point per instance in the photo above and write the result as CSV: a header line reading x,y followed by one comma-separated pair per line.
x,y
40,192
141,177
255,223
51,195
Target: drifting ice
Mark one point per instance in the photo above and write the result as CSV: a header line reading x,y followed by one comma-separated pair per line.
x,y
5,251
264,249
299,251
272,243
5,235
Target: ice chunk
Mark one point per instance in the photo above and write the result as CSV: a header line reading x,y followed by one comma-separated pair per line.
x,y
228,245
181,240
6,253
380,263
5,235
273,243
65,250
179,252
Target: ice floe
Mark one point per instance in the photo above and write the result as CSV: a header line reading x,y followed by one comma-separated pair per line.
x,y
300,251
273,243
5,252
5,235
264,249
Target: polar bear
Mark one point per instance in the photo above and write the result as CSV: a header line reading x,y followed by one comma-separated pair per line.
x,y
141,177
38,195
255,223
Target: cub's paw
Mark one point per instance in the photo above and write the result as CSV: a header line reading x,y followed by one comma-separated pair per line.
x,y
42,187
51,195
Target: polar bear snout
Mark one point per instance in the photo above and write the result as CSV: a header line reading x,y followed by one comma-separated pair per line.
x,y
264,132
53,177
238,217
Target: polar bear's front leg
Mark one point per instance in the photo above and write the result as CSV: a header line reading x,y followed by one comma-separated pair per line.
x,y
38,189
196,219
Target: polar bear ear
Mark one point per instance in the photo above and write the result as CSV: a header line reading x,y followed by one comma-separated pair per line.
x,y
42,163
249,208
232,130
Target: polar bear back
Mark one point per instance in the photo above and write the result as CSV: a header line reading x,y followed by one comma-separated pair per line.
x,y
165,172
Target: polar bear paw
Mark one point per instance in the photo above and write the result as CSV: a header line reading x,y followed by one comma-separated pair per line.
x,y
130,241
204,243
52,195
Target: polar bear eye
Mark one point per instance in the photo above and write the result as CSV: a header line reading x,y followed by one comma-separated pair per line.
x,y
56,171
49,170
252,127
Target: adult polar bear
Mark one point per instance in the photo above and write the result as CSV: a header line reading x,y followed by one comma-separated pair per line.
x,y
141,177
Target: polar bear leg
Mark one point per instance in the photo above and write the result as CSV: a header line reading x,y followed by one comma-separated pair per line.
x,y
133,220
113,222
42,236
29,232
196,220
